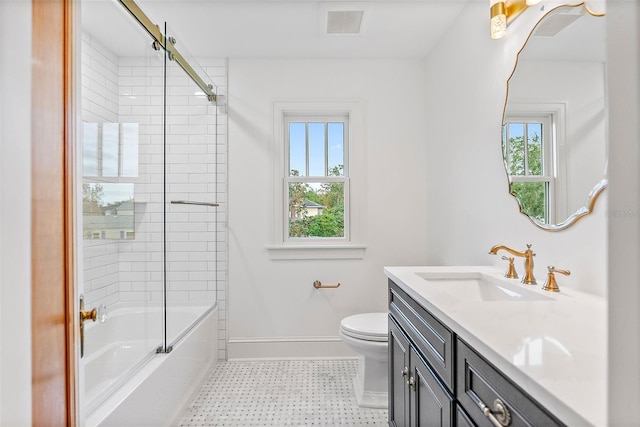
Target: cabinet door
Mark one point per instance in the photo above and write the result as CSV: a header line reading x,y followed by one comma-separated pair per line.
x,y
462,419
431,405
398,376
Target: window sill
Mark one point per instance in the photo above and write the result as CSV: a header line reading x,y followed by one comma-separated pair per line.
x,y
291,252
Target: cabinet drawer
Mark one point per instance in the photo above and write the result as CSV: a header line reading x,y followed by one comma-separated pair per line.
x,y
478,382
431,337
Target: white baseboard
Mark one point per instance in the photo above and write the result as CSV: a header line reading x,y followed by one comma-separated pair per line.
x,y
288,348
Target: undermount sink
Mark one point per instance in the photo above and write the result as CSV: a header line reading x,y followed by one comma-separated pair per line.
x,y
477,286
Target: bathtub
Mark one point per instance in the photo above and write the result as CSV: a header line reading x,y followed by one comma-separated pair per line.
x,y
127,383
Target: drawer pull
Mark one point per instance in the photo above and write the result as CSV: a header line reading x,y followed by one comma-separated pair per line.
x,y
499,416
405,372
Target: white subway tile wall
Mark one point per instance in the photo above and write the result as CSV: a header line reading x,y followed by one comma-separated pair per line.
x,y
194,153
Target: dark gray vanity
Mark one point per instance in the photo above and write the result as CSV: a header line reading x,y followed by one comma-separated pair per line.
x,y
436,379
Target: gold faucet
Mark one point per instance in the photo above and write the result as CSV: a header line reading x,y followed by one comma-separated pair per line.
x,y
551,285
511,272
528,255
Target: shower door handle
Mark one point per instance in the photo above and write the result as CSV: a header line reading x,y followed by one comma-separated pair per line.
x,y
188,202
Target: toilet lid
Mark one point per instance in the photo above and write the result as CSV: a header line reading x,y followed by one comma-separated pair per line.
x,y
366,326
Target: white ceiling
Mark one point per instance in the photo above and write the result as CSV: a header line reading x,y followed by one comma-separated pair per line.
x,y
277,28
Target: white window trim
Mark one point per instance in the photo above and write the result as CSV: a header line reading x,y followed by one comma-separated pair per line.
x,y
351,247
292,118
558,184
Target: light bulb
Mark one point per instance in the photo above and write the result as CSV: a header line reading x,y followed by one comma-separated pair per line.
x,y
498,19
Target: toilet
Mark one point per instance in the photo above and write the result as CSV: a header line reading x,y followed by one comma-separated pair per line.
x,y
367,335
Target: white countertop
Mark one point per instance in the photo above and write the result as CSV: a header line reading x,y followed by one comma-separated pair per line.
x,y
555,349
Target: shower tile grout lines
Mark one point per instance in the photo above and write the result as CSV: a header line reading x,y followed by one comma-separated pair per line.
x,y
280,393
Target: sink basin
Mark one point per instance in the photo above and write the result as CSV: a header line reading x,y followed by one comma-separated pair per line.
x,y
476,286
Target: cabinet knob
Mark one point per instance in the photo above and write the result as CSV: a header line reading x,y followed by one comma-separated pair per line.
x,y
412,383
405,372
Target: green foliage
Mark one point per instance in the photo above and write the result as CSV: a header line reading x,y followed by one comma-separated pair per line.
x,y
531,195
92,199
532,198
330,223
515,156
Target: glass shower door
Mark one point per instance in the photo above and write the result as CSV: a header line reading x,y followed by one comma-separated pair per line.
x,y
191,192
120,235
148,228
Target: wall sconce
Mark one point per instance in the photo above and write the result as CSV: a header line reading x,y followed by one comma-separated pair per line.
x,y
505,11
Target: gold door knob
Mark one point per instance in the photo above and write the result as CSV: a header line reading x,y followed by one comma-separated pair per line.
x,y
88,315
84,316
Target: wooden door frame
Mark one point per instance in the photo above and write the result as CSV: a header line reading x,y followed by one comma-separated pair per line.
x,y
53,312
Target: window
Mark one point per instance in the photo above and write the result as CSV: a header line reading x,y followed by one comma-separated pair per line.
x,y
316,177
319,180
529,159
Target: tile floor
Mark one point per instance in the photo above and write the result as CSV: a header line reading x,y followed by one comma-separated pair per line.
x,y
281,393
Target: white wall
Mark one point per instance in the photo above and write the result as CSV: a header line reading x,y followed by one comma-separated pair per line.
x,y
466,77
274,309
602,250
624,219
15,211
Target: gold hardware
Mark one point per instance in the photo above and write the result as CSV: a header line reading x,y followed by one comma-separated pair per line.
x,y
502,12
99,313
499,415
528,255
318,285
551,285
84,316
511,272
169,45
88,315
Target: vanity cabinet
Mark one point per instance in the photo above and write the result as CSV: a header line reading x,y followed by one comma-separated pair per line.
x,y
436,379
419,399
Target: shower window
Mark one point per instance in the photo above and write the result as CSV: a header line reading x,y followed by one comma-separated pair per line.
x,y
316,177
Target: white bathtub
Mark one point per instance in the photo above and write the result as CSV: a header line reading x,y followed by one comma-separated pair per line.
x,y
127,383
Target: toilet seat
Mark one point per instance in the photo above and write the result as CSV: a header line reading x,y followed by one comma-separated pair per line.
x,y
366,326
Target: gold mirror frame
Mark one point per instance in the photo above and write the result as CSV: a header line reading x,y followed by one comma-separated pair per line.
x,y
599,186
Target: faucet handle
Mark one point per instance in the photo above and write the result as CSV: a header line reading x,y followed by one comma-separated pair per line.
x,y
529,248
551,285
511,272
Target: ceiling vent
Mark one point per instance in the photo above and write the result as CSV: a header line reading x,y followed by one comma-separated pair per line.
x,y
344,21
553,24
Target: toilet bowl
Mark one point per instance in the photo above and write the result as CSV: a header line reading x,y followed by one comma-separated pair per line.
x,y
367,335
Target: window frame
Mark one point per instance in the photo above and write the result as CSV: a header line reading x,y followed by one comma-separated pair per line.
x,y
552,115
351,246
289,118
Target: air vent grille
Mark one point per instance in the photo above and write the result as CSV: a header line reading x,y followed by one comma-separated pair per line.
x,y
344,21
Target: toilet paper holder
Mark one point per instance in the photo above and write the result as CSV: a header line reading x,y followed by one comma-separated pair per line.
x,y
318,285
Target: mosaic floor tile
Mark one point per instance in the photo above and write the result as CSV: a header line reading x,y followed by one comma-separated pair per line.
x,y
281,393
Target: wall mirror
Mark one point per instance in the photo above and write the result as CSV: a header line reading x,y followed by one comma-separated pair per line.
x,y
554,123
